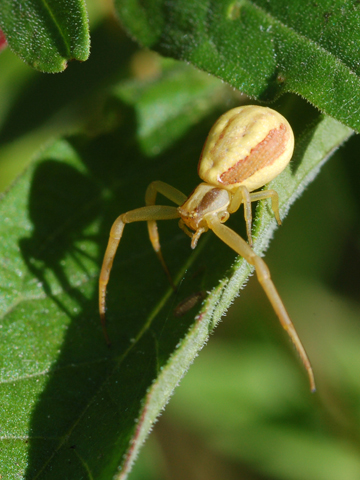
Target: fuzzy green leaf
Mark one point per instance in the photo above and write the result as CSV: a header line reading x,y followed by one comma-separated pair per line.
x,y
261,48
46,34
72,407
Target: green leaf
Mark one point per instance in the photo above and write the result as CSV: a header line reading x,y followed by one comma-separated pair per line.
x,y
72,407
35,107
261,48
46,34
55,228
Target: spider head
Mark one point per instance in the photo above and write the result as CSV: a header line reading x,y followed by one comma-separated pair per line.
x,y
204,200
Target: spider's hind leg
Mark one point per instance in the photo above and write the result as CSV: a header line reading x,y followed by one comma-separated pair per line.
x,y
255,196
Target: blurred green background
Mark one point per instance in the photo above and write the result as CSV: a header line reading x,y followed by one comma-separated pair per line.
x,y
243,410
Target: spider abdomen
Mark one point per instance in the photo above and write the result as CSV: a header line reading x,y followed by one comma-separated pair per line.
x,y
247,146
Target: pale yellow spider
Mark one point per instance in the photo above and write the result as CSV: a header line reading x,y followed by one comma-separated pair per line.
x,y
246,148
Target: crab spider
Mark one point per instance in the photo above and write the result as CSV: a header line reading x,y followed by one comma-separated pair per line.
x,y
246,148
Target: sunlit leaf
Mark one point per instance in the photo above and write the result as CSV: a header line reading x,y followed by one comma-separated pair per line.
x,y
261,48
46,34
77,407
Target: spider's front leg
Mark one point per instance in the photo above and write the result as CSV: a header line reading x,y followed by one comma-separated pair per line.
x,y
175,196
234,241
150,213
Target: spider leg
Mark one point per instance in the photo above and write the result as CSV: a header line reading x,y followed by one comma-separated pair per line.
x,y
242,195
149,213
234,241
185,229
274,201
175,196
